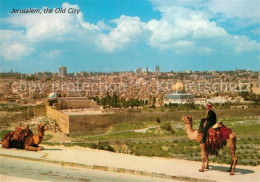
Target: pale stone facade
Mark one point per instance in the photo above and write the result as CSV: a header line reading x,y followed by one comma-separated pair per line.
x,y
61,118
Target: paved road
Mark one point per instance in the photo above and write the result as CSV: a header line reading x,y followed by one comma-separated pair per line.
x,y
27,171
130,164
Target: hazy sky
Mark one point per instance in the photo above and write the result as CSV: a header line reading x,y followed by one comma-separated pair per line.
x,y
117,35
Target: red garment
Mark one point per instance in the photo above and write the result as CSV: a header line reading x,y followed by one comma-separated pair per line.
x,y
225,132
216,139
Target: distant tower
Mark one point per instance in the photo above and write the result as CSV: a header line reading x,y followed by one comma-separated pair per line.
x,y
62,71
139,71
157,70
147,71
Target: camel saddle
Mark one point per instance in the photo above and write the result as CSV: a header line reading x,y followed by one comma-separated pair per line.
x,y
15,139
216,138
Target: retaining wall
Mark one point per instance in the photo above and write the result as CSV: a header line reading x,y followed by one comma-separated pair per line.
x,y
86,124
61,118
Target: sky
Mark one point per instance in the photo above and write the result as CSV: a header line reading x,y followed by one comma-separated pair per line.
x,y
122,35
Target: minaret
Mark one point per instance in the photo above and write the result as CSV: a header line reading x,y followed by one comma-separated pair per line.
x,y
157,70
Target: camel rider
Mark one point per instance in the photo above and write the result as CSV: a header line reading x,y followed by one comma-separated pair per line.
x,y
211,119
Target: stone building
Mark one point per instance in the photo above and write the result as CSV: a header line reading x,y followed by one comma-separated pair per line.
x,y
55,110
70,102
11,75
157,70
62,71
178,96
76,103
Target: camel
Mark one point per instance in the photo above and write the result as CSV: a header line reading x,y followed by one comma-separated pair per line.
x,y
24,139
197,136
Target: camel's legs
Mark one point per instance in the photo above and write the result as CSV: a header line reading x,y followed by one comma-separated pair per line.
x,y
203,165
203,157
30,148
229,170
232,141
234,161
5,143
207,161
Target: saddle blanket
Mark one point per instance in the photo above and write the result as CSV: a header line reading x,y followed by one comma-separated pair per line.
x,y
216,139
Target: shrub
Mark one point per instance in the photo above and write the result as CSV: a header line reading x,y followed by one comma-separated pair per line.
x,y
101,148
167,127
111,149
158,121
253,163
244,163
138,154
3,132
94,146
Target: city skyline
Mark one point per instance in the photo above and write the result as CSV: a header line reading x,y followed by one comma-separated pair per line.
x,y
112,36
137,70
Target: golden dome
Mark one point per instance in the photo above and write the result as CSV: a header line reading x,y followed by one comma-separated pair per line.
x,y
177,87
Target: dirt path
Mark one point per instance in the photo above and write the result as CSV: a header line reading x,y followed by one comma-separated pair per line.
x,y
143,130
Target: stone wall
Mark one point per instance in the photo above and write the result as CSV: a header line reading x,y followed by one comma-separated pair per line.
x,y
61,118
95,123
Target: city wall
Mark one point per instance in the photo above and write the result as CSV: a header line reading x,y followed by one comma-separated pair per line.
x,y
61,118
88,124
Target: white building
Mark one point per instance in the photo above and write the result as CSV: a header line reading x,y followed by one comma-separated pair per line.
x,y
179,98
220,100
201,101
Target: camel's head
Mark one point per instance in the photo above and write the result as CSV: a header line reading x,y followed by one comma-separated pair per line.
x,y
41,129
187,119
